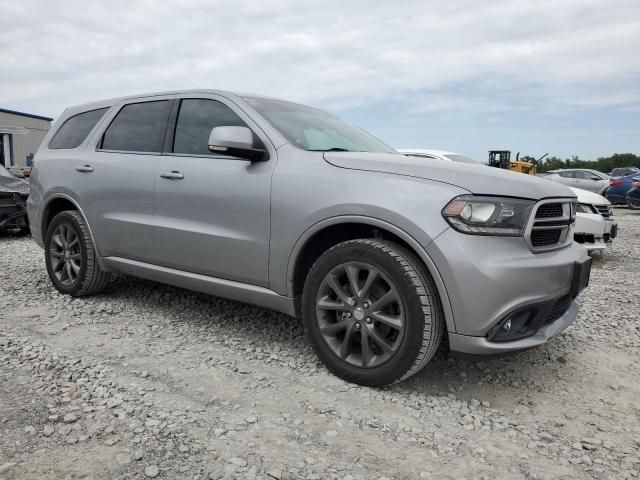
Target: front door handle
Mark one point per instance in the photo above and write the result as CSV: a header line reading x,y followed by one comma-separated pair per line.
x,y
85,169
172,175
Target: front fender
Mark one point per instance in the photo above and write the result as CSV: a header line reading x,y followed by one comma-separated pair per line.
x,y
416,246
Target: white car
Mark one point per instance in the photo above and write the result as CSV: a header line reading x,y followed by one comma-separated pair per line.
x,y
595,226
438,155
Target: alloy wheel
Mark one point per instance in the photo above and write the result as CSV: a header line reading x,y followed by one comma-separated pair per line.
x,y
66,258
360,314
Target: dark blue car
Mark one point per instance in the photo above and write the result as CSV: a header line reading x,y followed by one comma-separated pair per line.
x,y
633,195
618,188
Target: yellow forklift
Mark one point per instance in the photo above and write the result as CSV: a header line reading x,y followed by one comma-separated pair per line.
x,y
502,159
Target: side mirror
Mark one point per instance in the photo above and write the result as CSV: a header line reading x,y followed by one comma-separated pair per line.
x,y
596,179
236,142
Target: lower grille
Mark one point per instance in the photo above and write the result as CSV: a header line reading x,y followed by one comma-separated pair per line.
x,y
559,309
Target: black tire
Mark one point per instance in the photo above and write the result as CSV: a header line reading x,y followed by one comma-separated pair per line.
x,y
423,320
633,204
90,279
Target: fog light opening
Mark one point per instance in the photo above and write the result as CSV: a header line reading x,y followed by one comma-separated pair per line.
x,y
514,326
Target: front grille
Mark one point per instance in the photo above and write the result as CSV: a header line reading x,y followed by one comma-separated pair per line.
x,y
559,309
544,238
8,200
549,210
603,210
551,225
7,203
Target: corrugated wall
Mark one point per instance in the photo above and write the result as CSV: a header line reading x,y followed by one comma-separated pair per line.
x,y
24,145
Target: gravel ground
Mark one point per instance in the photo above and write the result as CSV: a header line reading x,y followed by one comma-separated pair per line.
x,y
151,381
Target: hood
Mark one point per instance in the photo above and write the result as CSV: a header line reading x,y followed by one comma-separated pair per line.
x,y
13,185
477,179
585,196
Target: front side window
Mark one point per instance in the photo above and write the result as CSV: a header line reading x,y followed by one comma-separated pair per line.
x,y
138,127
196,119
314,130
567,174
74,131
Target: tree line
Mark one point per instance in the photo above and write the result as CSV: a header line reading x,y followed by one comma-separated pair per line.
x,y
602,164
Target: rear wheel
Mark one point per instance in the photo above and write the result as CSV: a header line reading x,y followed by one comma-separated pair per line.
x,y
371,312
633,203
70,257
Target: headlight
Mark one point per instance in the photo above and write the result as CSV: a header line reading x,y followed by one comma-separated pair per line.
x,y
584,208
479,215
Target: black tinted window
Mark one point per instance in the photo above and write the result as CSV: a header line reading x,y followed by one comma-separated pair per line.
x,y
73,132
139,127
196,119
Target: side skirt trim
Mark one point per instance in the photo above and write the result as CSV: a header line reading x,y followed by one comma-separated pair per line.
x,y
219,287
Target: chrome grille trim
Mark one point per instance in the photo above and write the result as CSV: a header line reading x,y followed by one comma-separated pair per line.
x,y
603,210
562,224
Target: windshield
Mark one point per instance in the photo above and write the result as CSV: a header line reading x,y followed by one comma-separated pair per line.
x,y
461,158
4,172
621,172
314,130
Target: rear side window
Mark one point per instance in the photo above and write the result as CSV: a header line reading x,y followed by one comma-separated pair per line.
x,y
138,127
196,119
74,131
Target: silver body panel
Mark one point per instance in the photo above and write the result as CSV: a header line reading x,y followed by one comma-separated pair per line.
x,y
235,229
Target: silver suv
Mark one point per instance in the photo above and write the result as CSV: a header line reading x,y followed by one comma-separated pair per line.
x,y
288,207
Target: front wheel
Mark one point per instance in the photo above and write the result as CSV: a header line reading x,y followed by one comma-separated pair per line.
x,y
371,311
71,258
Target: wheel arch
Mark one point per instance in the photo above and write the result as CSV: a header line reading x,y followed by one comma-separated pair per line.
x,y
327,233
58,203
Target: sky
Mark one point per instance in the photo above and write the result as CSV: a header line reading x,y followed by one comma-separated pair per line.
x,y
537,76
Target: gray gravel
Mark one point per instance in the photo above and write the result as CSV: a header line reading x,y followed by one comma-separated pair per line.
x,y
150,381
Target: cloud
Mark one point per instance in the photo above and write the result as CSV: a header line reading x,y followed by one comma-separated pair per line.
x,y
455,57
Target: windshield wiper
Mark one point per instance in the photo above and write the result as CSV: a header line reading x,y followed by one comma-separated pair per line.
x,y
333,149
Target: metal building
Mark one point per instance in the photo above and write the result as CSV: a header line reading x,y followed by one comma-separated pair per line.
x,y
20,137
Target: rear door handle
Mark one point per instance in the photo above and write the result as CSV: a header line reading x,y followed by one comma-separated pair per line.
x,y
85,169
172,175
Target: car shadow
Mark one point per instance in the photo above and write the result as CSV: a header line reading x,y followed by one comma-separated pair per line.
x,y
494,380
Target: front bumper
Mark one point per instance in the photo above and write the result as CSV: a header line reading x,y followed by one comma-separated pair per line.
x,y
611,230
467,346
489,278
590,231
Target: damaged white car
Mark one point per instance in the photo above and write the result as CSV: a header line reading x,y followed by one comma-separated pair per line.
x,y
595,227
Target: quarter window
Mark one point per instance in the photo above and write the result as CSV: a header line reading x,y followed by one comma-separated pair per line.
x,y
74,131
138,127
196,119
